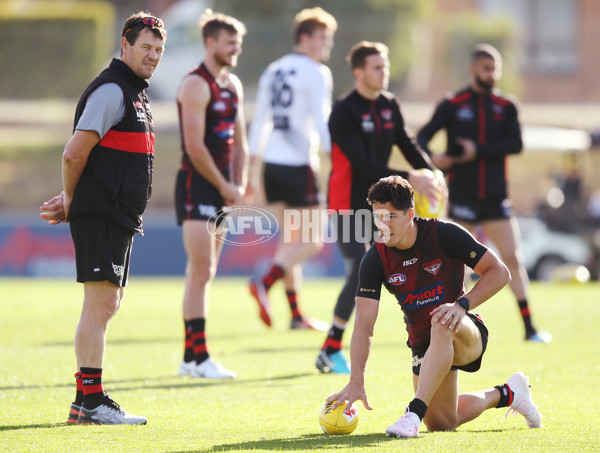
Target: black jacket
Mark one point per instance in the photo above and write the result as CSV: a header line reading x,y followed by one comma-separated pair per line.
x,y
491,121
363,133
117,179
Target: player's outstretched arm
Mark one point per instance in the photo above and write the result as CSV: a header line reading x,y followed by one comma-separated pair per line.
x,y
360,348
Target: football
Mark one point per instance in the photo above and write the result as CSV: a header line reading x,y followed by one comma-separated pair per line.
x,y
423,207
340,420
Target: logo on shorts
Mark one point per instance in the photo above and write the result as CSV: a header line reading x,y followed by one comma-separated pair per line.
x,y
243,225
118,270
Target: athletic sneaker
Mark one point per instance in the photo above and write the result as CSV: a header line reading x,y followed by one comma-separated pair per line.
x,y
73,413
259,292
211,369
406,426
108,413
186,368
332,363
522,402
309,323
539,337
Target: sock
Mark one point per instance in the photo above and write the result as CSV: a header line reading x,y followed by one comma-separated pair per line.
x,y
506,395
333,343
93,392
293,301
188,354
79,392
198,337
525,314
274,274
418,407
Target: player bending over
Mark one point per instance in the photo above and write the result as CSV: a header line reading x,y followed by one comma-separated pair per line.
x,y
422,262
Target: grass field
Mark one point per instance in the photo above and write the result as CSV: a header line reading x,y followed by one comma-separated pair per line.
x,y
274,402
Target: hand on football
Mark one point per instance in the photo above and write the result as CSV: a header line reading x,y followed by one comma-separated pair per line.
x,y
349,395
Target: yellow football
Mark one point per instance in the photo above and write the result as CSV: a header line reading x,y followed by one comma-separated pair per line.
x,y
424,207
339,420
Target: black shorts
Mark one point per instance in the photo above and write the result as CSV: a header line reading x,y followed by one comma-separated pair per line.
x,y
293,185
196,198
419,353
102,249
475,211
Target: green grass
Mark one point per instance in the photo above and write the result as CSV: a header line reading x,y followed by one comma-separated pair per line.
x,y
274,403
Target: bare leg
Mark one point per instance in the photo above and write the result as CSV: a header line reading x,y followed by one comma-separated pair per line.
x,y
101,302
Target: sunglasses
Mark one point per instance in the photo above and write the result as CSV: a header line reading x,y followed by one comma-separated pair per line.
x,y
148,20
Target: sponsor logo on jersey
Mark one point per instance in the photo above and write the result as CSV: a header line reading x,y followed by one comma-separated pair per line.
x,y
386,114
497,108
140,112
465,113
224,129
367,290
409,262
428,295
367,123
433,266
219,106
396,279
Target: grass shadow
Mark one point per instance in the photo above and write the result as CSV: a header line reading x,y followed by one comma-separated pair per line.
x,y
302,443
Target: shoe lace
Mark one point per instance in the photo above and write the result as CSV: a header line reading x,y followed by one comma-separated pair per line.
x,y
108,401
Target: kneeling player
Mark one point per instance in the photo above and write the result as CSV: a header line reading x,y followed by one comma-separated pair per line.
x,y
422,262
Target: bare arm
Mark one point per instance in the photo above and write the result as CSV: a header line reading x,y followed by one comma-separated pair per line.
x,y
240,143
194,96
493,277
360,348
75,156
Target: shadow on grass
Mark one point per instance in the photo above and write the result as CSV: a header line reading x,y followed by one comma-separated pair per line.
x,y
34,426
303,443
156,383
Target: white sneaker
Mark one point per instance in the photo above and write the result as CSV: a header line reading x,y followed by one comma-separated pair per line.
x,y
186,368
108,413
406,426
522,402
211,369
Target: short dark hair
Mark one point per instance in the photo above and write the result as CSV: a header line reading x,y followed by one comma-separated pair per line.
x,y
359,52
212,23
394,189
135,24
484,50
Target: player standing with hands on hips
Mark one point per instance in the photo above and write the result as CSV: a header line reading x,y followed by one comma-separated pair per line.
x,y
292,109
107,181
212,176
482,129
364,125
422,263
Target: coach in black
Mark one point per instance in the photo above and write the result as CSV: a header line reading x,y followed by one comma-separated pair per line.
x,y
364,125
107,179
482,129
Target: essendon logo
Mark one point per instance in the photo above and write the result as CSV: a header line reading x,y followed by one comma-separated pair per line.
x,y
396,279
419,298
386,114
433,267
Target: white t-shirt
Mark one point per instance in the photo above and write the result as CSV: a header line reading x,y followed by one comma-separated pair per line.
x,y
291,113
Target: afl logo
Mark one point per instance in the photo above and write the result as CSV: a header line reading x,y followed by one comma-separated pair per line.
x,y
396,279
